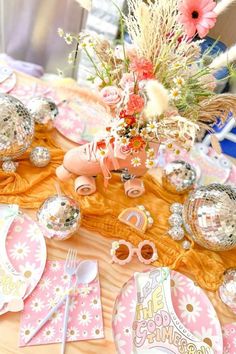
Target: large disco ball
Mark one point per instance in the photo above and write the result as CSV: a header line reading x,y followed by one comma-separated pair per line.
x,y
178,177
209,216
16,127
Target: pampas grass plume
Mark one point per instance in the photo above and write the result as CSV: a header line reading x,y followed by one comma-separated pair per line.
x,y
222,6
224,59
157,98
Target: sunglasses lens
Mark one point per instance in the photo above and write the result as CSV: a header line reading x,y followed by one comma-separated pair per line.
x,y
122,252
147,252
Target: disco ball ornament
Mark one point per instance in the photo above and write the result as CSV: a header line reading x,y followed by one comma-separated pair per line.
x,y
176,233
40,156
59,217
16,129
178,177
175,220
176,208
43,109
209,216
9,166
227,290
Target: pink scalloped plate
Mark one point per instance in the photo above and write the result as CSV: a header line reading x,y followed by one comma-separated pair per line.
x,y
26,251
229,335
88,120
191,305
7,85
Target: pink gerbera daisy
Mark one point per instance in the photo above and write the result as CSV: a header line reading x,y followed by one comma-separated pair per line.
x,y
197,16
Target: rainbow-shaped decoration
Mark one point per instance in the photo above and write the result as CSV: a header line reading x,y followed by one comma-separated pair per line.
x,y
136,217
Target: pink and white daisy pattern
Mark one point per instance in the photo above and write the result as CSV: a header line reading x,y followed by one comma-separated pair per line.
x,y
85,315
192,307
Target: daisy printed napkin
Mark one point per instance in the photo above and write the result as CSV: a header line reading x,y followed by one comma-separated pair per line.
x,y
85,318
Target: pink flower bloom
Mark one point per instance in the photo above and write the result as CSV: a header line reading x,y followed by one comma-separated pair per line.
x,y
127,81
143,68
111,95
135,104
197,16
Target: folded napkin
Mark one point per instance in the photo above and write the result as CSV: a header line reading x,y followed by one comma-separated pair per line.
x,y
85,316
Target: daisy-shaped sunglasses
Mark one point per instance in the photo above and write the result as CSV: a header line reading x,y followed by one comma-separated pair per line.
x,y
122,252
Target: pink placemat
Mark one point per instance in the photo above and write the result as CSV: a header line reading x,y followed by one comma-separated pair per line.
x,y
85,319
229,336
191,305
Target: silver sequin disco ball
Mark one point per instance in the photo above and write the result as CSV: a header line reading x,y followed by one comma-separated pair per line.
x,y
178,177
43,109
210,216
16,127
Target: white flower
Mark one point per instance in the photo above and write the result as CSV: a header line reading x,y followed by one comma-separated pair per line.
x,y
132,306
45,283
152,126
48,333
136,161
119,313
120,343
212,316
149,163
68,38
52,302
97,317
60,32
67,124
150,153
194,287
124,141
95,303
85,291
20,251
56,317
115,245
177,283
29,271
128,289
73,304
175,93
102,152
144,133
65,278
33,232
58,290
97,332
72,333
70,58
26,331
133,132
179,81
127,331
37,305
19,228
98,81
207,336
55,266
84,318
190,308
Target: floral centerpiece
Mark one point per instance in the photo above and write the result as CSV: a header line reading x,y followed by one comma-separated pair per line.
x,y
158,87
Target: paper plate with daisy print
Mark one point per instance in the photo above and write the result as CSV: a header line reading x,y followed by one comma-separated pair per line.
x,y
229,335
82,121
191,305
26,251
